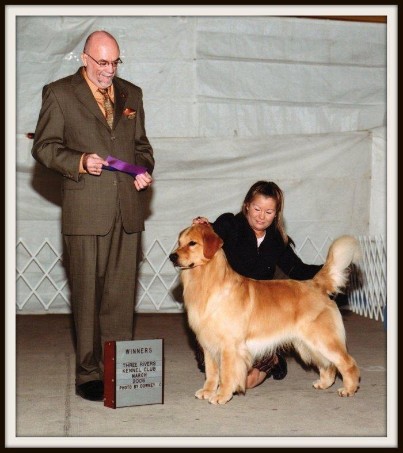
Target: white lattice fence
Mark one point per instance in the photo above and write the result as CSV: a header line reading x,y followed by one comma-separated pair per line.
x,y
41,280
42,284
367,292
159,285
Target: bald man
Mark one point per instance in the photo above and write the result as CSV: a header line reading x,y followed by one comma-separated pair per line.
x,y
84,118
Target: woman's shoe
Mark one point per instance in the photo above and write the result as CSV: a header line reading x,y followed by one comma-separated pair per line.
x,y
279,370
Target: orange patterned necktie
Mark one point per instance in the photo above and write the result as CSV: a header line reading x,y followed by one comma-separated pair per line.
x,y
108,106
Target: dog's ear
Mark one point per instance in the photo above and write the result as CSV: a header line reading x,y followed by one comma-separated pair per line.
x,y
211,242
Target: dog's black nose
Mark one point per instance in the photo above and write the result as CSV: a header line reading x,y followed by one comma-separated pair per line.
x,y
173,257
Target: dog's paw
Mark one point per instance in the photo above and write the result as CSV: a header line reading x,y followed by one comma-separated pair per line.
x,y
344,392
319,385
203,394
219,398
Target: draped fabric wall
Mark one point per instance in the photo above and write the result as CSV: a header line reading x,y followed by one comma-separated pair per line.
x,y
228,101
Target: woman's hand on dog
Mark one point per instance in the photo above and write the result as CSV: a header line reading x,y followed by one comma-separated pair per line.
x,y
200,220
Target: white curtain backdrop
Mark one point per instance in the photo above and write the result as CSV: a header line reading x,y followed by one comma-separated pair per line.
x,y
228,101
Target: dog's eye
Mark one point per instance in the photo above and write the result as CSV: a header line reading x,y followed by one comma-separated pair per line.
x,y
192,243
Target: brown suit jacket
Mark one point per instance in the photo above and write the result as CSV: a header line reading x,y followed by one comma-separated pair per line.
x,y
71,123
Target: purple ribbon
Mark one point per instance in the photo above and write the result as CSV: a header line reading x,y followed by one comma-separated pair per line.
x,y
120,165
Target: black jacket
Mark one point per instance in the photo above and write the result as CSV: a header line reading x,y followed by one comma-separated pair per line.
x,y
247,259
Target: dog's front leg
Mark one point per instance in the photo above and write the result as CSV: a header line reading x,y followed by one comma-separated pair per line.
x,y
212,378
233,372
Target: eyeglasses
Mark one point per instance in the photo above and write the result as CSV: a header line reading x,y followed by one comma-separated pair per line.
x,y
104,63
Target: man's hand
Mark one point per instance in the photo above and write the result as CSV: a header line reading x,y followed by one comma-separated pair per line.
x,y
142,181
92,164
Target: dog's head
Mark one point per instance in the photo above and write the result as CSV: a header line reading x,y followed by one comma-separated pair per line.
x,y
196,246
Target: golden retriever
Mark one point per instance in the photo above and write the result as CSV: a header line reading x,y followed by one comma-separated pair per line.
x,y
237,319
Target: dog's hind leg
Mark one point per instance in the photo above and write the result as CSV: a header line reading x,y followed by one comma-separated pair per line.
x,y
326,335
334,350
327,376
327,371
347,367
350,373
212,378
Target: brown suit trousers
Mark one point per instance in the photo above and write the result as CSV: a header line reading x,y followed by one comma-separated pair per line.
x,y
106,282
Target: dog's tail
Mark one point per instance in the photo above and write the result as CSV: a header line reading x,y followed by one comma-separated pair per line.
x,y
334,274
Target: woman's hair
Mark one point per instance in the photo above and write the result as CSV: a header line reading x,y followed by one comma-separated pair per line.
x,y
270,190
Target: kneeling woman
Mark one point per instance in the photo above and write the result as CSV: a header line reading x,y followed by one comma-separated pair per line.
x,y
255,243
